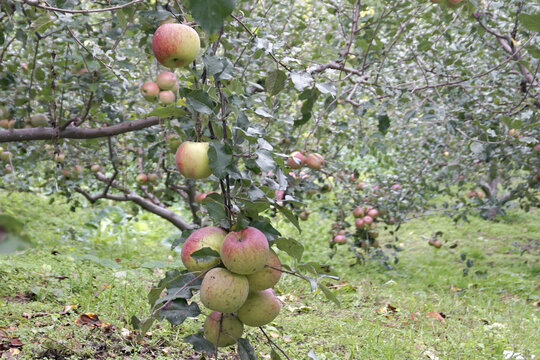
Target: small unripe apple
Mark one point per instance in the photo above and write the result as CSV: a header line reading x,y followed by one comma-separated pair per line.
x,y
59,157
511,132
229,330
166,97
224,291
446,153
8,168
5,155
296,160
260,308
175,45
192,160
303,216
141,179
315,161
166,80
95,168
150,90
39,120
153,178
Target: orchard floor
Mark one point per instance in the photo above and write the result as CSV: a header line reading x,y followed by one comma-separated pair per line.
x,y
104,260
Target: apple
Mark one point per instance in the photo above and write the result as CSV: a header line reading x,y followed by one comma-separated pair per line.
x,y
340,239
245,252
192,160
342,232
536,148
480,194
150,90
39,120
396,187
260,308
4,123
361,186
153,178
141,179
358,212
315,161
224,291
175,45
166,80
352,178
303,216
5,156
435,243
359,223
268,276
8,168
95,168
229,330
446,153
511,132
368,220
166,97
471,194
296,160
373,213
211,237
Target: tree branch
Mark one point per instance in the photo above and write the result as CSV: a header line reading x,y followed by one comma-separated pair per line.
x,y
36,3
77,133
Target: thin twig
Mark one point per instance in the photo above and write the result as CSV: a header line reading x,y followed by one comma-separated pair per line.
x,y
36,3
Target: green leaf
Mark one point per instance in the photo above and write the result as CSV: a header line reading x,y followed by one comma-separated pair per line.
x,y
291,247
384,124
179,310
213,203
326,88
200,102
165,112
266,227
210,13
530,21
206,254
221,158
275,81
329,294
290,216
245,350
264,160
534,51
181,239
301,80
274,355
307,106
199,343
254,193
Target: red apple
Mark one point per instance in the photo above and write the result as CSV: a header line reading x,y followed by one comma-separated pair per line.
x,y
268,276
340,239
4,123
368,220
245,252
153,178
211,237
303,216
315,161
260,308
373,213
229,330
223,291
358,212
296,160
166,97
175,45
192,160
359,223
166,80
150,90
141,179
396,187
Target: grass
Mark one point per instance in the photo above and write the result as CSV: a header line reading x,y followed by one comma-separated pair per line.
x,y
104,260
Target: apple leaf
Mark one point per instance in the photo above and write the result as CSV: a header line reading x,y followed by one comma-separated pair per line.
x,y
164,112
326,88
254,193
290,216
199,343
205,254
274,355
384,124
301,80
264,160
307,107
275,81
181,239
530,21
213,203
221,158
291,247
179,310
329,294
245,350
266,227
200,102
210,13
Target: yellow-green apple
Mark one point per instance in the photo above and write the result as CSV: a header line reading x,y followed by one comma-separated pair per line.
x,y
245,252
224,291
166,80
268,276
229,330
150,90
4,123
358,212
210,237
8,168
192,160
303,216
166,97
175,45
296,160
5,156
315,161
260,308
39,120
153,178
141,179
95,168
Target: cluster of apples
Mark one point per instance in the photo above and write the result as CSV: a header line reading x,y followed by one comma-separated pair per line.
x,y
143,179
365,217
6,156
238,286
297,160
163,88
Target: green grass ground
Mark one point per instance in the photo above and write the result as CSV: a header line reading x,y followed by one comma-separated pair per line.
x,y
104,260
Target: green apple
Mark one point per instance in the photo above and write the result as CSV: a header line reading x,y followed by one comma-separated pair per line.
x,y
39,120
192,160
268,276
260,308
224,291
